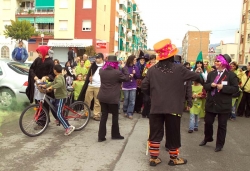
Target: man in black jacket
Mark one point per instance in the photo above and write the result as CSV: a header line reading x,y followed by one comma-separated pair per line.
x,y
220,85
92,85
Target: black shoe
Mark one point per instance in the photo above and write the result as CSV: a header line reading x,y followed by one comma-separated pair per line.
x,y
203,143
217,149
190,131
118,138
101,139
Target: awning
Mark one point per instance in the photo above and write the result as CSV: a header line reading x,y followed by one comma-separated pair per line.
x,y
71,43
44,20
31,20
44,4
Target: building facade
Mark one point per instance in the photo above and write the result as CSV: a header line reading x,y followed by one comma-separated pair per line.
x,y
244,38
110,26
194,42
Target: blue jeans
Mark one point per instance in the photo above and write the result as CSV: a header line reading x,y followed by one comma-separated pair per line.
x,y
129,101
233,114
193,123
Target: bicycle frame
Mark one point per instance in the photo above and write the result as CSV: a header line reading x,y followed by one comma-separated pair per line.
x,y
65,107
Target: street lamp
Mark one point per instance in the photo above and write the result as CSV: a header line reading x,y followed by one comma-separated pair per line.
x,y
199,32
42,36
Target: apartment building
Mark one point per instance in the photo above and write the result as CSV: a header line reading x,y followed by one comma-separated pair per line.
x,y
194,42
128,31
66,24
244,38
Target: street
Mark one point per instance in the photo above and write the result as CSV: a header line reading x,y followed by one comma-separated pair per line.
x,y
81,151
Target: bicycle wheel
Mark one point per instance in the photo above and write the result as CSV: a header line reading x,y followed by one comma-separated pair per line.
x,y
79,116
33,121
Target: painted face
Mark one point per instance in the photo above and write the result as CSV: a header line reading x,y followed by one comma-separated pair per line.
x,y
198,65
217,64
142,61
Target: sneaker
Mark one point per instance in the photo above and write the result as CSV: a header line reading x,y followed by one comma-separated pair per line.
x,y
195,129
38,127
130,117
125,115
69,130
177,161
154,162
190,131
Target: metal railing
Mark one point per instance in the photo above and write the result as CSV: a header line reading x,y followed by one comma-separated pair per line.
x,y
46,30
26,11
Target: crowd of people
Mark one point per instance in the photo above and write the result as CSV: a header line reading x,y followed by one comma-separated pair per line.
x,y
159,87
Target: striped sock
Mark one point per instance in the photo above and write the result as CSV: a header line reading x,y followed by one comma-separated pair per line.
x,y
154,148
173,153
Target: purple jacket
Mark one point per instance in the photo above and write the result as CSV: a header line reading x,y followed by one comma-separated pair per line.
x,y
132,84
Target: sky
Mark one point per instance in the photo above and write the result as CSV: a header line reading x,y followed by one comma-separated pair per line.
x,y
168,19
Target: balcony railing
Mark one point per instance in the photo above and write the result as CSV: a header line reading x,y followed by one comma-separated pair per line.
x,y
122,21
123,7
27,11
44,31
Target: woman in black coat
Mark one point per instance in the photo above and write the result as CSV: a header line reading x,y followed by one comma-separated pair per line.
x,y
109,95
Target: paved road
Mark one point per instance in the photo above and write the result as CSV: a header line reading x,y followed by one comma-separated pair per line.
x,y
81,151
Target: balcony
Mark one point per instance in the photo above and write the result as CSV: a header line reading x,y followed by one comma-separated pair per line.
x,y
32,11
122,21
123,7
122,35
46,31
129,4
128,39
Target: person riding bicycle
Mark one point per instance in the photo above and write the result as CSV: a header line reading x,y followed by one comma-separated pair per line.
x,y
58,85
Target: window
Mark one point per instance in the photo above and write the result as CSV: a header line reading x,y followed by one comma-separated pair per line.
x,y
248,37
5,52
1,71
6,22
86,25
42,43
63,3
87,3
6,4
104,7
63,24
104,27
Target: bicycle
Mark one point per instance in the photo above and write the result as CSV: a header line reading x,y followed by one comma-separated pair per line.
x,y
78,114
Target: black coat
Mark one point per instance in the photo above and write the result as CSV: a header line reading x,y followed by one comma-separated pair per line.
x,y
167,89
92,71
221,102
39,69
111,80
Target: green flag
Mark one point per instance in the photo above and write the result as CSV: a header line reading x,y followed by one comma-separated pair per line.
x,y
199,57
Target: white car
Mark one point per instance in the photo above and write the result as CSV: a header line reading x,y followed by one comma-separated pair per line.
x,y
13,83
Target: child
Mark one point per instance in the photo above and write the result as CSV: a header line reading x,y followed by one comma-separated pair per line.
x,y
77,85
58,85
197,94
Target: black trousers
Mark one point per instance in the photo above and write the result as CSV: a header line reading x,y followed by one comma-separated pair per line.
x,y
147,105
244,106
138,100
106,109
222,128
172,129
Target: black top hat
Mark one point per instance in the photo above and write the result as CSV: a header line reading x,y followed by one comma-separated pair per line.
x,y
99,55
228,58
112,58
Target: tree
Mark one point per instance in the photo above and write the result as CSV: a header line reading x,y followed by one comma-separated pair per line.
x,y
90,51
19,30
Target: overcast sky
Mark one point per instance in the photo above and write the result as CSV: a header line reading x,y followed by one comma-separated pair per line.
x,y
168,19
